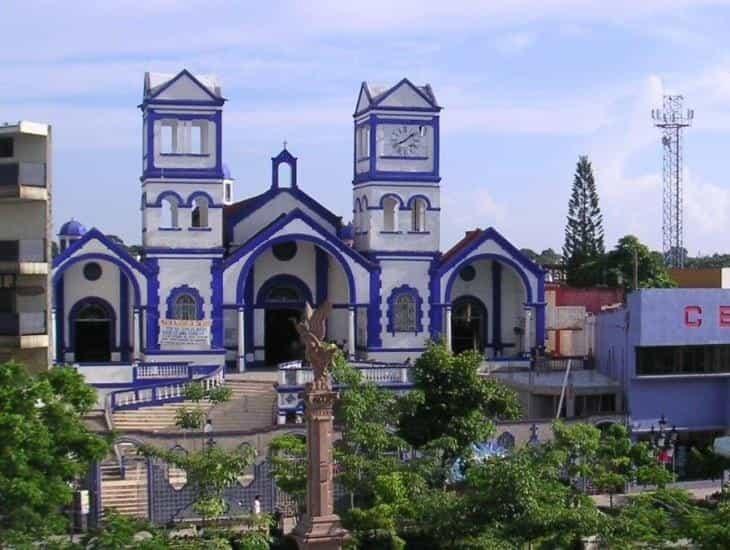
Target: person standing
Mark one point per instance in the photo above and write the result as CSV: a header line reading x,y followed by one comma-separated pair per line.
x,y
256,505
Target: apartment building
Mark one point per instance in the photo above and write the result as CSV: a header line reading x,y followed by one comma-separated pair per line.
x,y
25,243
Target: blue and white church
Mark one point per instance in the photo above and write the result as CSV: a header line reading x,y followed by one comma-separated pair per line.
x,y
218,282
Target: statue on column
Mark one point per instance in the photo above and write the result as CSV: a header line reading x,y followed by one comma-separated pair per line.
x,y
320,527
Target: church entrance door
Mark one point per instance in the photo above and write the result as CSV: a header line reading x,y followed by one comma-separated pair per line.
x,y
92,341
281,339
468,325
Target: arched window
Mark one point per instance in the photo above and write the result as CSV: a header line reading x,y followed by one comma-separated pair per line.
x,y
405,310
390,214
418,216
168,216
185,308
199,216
404,313
285,175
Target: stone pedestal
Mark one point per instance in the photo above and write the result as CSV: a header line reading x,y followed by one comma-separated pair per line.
x,y
320,527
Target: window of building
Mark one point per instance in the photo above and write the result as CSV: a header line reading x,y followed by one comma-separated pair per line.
x,y
284,251
390,214
92,271
227,191
418,216
6,147
168,137
200,212
7,293
185,308
468,273
404,313
363,142
667,360
168,215
196,139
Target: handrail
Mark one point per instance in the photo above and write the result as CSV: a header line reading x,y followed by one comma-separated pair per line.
x,y
170,391
294,373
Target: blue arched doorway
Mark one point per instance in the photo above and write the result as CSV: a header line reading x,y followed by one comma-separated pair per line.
x,y
282,298
92,330
468,324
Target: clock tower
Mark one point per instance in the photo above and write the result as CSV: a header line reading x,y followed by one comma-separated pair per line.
x,y
396,201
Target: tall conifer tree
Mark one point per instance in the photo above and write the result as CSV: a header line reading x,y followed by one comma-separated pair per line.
x,y
584,230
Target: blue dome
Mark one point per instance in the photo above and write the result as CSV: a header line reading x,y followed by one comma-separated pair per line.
x,y
226,172
347,233
72,228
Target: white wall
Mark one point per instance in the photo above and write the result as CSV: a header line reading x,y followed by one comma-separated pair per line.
x,y
194,272
396,273
185,238
372,220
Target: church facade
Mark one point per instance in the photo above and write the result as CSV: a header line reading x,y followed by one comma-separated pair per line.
x,y
219,282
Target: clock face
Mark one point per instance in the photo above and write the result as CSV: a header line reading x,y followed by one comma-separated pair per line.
x,y
408,141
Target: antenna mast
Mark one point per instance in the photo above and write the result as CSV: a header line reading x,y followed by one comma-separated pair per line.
x,y
672,119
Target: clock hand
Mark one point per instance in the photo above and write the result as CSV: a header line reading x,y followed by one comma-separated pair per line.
x,y
409,136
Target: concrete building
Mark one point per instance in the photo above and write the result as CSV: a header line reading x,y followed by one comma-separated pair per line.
x,y
571,317
25,253
670,351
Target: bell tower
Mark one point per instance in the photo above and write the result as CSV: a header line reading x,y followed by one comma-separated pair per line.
x,y
396,180
183,175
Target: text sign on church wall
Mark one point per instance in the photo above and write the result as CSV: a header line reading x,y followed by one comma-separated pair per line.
x,y
179,331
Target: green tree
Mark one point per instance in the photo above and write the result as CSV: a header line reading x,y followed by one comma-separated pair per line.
x,y
452,404
44,447
619,265
584,228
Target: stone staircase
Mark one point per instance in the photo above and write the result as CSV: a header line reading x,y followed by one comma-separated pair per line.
x,y
127,495
251,407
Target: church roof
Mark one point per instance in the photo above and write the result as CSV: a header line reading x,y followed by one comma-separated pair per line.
x,y
72,228
182,86
402,95
234,213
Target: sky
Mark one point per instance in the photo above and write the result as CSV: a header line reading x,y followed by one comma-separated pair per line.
x,y
527,86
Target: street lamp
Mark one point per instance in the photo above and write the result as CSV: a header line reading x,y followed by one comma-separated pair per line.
x,y
663,442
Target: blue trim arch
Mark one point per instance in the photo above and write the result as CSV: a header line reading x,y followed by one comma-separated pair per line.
x,y
166,194
401,204
410,291
196,194
488,256
59,271
413,199
181,290
283,280
247,266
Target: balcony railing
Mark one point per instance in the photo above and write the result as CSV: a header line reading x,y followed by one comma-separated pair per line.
x,y
32,174
22,324
25,250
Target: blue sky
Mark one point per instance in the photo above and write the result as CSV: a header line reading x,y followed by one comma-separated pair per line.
x,y
526,86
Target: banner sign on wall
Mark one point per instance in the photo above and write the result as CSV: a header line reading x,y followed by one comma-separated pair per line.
x,y
179,331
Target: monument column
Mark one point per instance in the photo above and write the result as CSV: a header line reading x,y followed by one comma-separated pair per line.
x,y
320,527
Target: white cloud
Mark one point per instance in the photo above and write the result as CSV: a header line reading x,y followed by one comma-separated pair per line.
x,y
514,42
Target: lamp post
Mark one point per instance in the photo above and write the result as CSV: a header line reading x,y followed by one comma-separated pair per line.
x,y
663,442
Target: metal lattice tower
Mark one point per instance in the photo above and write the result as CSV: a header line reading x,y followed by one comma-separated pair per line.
x,y
672,119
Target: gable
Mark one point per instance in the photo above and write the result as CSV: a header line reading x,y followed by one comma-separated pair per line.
x,y
184,88
363,101
272,206
404,94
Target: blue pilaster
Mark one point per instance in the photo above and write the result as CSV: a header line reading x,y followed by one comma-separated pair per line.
x,y
435,314
496,316
123,316
248,315
322,272
216,283
60,319
374,337
153,304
